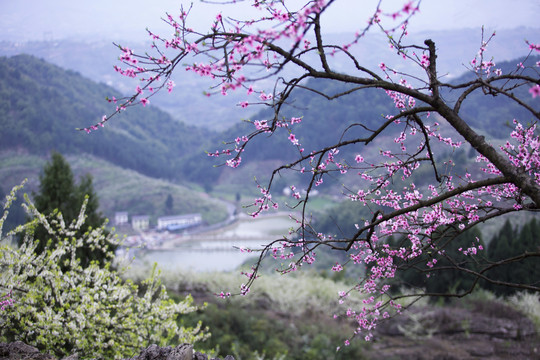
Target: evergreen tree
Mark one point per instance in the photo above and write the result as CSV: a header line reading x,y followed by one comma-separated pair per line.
x,y
169,205
444,277
59,193
500,248
57,188
509,243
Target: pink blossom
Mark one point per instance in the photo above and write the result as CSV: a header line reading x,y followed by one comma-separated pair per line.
x,y
170,85
378,181
293,139
534,47
337,267
408,7
296,120
535,91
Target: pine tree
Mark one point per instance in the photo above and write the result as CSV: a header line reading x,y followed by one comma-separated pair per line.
x,y
443,276
59,193
509,243
528,270
500,248
169,205
57,188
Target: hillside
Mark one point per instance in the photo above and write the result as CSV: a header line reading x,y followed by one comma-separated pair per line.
x,y
95,60
118,189
324,121
493,115
42,104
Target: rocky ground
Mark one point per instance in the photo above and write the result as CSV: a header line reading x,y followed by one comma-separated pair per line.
x,y
461,330
21,351
478,330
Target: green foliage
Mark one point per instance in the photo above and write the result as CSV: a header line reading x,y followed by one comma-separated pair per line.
x,y
57,188
448,251
288,316
249,330
58,194
41,105
510,242
62,307
17,215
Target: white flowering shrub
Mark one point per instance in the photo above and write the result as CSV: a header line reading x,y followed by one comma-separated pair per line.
x,y
51,302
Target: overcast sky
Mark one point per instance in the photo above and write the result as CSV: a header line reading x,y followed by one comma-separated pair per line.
x,y
22,20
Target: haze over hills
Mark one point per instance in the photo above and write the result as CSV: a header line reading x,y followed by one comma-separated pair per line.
x,y
41,105
95,60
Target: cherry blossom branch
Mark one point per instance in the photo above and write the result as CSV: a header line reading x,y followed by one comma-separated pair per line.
x,y
426,203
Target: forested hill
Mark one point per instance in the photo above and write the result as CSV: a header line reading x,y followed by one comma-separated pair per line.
x,y
324,121
492,115
41,105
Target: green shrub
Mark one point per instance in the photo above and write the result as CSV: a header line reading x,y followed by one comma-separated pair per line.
x,y
61,307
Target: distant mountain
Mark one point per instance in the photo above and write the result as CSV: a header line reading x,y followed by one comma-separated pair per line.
x,y
42,104
95,61
493,115
324,121
187,103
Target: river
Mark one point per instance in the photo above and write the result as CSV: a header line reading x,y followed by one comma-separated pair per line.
x,y
216,250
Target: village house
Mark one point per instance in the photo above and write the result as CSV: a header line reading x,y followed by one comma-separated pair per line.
x,y
121,218
178,222
140,222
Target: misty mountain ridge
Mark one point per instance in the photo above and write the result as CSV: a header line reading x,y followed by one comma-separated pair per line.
x,y
136,161
41,105
95,60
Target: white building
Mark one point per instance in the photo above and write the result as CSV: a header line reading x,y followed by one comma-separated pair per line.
x,y
121,218
140,222
178,222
